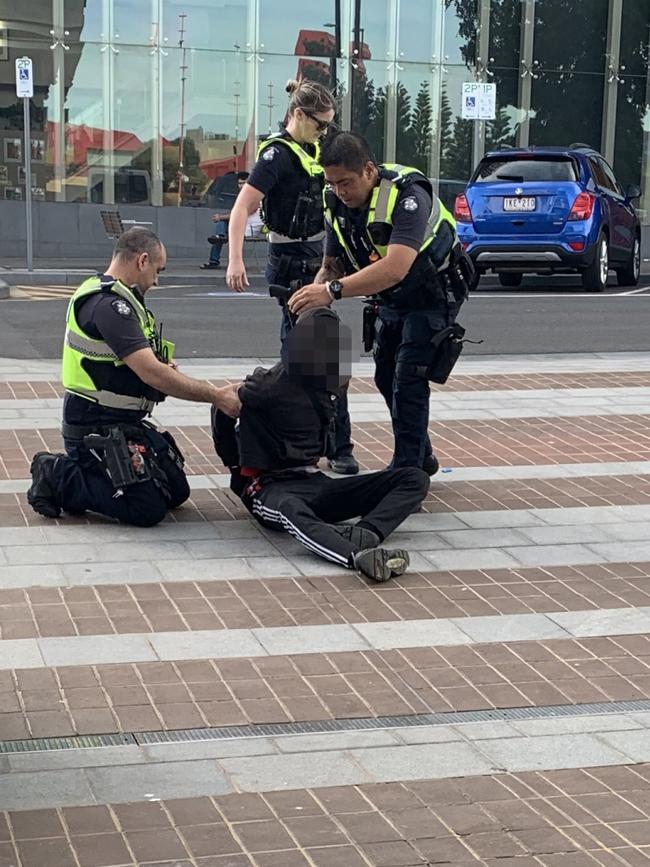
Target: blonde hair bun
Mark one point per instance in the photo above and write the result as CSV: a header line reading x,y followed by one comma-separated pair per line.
x,y
292,86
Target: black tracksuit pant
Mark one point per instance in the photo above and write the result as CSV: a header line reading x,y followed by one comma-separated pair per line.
x,y
307,506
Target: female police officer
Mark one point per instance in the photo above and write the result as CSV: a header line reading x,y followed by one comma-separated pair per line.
x,y
287,182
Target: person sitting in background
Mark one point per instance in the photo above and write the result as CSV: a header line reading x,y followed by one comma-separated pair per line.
x,y
220,237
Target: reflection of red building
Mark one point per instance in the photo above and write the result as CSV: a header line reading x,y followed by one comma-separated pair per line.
x,y
82,139
310,46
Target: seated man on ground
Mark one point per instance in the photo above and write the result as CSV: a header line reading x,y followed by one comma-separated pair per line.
x,y
285,420
116,368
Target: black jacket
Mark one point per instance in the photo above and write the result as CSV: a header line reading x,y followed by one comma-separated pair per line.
x,y
288,410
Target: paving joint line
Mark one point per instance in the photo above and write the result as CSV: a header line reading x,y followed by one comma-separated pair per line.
x,y
257,730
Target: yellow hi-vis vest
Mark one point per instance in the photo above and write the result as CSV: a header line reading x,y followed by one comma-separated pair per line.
x,y
301,189
80,351
309,164
393,178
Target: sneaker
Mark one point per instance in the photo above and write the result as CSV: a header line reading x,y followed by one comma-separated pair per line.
x,y
210,266
347,465
431,465
360,537
41,495
381,564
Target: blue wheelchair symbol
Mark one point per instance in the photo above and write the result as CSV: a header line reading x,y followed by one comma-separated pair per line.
x,y
24,74
470,101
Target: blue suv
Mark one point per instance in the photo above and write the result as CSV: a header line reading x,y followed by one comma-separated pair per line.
x,y
548,210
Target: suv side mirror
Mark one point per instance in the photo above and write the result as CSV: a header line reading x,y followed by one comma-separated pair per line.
x,y
632,192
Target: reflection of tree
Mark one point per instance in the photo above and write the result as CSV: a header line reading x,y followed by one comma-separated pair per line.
x,y
456,158
421,123
498,131
632,108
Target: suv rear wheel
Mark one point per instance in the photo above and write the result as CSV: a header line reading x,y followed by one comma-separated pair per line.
x,y
629,274
510,280
594,278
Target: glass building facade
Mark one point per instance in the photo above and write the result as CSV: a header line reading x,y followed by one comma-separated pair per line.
x,y
154,101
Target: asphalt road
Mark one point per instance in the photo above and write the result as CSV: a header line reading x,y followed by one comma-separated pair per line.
x,y
545,316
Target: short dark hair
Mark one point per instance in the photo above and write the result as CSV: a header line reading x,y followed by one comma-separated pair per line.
x,y
346,149
136,241
243,176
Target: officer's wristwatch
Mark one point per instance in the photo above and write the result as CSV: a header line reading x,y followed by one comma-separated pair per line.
x,y
335,288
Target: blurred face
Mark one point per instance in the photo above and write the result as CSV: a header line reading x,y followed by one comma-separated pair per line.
x,y
311,126
352,188
240,184
318,352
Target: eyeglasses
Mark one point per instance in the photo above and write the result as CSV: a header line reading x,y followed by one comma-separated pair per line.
x,y
321,125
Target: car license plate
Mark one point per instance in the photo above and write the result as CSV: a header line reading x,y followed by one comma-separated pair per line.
x,y
520,204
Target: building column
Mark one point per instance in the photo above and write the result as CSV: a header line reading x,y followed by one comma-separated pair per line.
x,y
392,83
644,204
108,102
253,60
156,53
526,69
482,74
436,88
612,79
57,92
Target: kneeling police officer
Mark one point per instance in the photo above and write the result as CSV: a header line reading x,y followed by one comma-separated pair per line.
x,y
385,223
116,368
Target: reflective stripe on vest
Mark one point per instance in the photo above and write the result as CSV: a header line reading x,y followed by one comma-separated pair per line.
x,y
79,346
309,164
382,205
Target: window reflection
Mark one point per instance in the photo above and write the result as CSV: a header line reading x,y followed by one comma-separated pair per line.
x,y
108,108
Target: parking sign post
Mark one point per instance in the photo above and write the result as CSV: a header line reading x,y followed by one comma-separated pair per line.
x,y
25,91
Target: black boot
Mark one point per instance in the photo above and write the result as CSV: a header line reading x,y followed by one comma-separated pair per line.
x,y
431,465
42,496
381,564
346,465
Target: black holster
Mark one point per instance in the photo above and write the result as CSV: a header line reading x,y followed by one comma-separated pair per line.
x,y
370,313
118,459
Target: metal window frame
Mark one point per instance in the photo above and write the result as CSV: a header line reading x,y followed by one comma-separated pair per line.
x,y
612,79
527,44
482,60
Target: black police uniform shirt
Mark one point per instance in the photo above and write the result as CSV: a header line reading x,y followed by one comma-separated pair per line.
x,y
410,218
272,169
104,316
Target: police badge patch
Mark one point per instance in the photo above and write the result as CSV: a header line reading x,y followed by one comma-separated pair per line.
x,y
269,153
411,204
121,307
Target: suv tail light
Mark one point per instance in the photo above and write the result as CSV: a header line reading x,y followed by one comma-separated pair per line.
x,y
582,207
461,209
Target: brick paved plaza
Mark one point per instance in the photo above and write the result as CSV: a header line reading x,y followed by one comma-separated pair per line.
x,y
207,694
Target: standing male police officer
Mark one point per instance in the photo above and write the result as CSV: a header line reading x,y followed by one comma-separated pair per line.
x,y
392,235
116,368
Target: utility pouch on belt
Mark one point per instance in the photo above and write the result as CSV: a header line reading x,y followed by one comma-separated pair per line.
x,y
461,274
124,461
368,330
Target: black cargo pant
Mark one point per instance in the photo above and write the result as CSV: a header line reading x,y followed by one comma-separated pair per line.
x,y
83,485
307,506
402,343
281,272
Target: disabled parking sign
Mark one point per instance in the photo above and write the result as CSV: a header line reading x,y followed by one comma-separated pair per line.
x,y
24,77
478,101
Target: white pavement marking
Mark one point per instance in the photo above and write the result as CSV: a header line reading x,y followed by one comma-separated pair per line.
x,y
333,638
131,773
448,474
71,556
29,414
20,370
